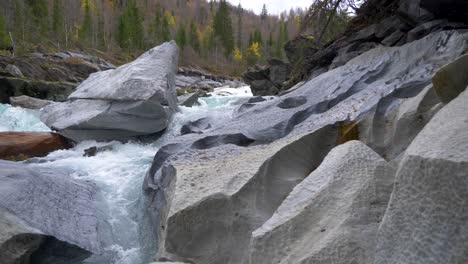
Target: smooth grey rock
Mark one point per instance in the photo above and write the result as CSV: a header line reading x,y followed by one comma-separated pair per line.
x,y
105,120
196,126
17,240
425,222
397,120
452,79
133,100
29,102
54,203
332,216
14,71
189,100
232,178
150,78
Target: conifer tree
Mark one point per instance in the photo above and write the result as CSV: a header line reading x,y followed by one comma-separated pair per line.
x,y
130,30
4,38
19,21
223,27
264,13
165,31
57,19
181,36
194,39
239,27
40,12
86,30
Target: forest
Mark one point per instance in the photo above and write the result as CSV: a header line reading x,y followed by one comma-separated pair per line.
x,y
214,35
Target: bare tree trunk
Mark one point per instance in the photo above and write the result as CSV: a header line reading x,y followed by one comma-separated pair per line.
x,y
13,46
337,4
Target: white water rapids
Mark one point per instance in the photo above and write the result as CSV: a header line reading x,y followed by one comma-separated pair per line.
x,y
119,171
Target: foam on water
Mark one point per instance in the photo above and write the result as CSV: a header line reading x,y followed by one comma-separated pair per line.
x,y
20,119
119,170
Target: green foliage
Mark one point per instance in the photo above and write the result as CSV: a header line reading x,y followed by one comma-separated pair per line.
x,y
40,13
264,13
57,19
181,36
86,29
130,28
101,38
4,38
194,39
282,38
239,26
256,36
18,20
223,27
165,31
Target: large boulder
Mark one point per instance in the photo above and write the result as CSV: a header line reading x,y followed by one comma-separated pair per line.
x,y
135,99
25,145
32,192
426,219
332,216
208,192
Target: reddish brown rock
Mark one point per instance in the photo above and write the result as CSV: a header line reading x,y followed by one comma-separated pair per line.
x,y
23,145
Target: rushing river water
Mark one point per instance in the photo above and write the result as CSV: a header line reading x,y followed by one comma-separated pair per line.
x,y
119,171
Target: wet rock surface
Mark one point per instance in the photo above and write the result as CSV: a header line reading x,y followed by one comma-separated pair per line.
x,y
30,193
25,145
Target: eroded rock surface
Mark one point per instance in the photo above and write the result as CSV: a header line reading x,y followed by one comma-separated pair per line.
x,y
133,100
31,193
332,216
426,219
227,182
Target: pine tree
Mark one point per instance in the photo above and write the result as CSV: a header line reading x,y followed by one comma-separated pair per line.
x,y
181,36
40,13
223,27
156,26
130,30
264,13
194,39
101,37
57,20
239,27
4,38
279,41
19,21
165,31
86,30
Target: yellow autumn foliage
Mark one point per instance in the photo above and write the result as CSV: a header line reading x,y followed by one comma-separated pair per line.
x,y
254,50
237,54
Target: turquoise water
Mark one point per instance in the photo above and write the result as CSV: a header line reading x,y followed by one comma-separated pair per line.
x,y
20,119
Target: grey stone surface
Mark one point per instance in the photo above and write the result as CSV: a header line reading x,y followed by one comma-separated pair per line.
x,y
17,240
452,79
54,204
332,216
28,102
397,119
14,71
148,78
232,178
133,100
426,219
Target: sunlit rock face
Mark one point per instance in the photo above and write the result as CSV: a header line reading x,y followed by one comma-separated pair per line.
x,y
221,185
132,100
